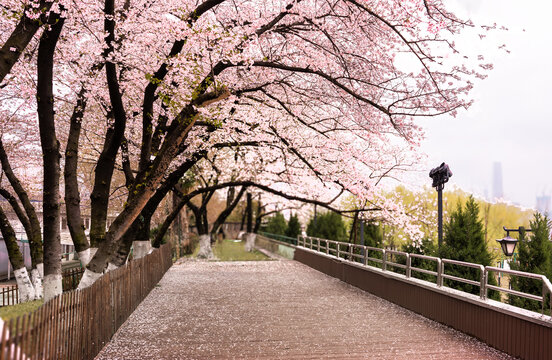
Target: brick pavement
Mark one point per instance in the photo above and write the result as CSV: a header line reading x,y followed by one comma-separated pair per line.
x,y
277,309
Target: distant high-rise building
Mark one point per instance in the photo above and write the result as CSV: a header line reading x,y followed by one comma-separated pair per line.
x,y
498,193
543,204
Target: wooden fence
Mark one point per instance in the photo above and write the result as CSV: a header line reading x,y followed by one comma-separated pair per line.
x,y
9,295
78,323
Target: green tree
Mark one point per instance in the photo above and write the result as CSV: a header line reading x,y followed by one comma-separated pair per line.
x,y
464,240
328,225
373,235
276,224
533,256
294,227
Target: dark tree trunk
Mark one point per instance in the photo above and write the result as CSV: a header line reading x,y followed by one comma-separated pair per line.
x,y
230,206
249,213
35,235
202,225
147,180
20,37
14,253
51,157
26,288
123,250
162,230
72,195
18,211
106,162
258,217
244,216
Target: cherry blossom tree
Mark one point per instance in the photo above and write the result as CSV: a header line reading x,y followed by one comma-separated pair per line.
x,y
321,87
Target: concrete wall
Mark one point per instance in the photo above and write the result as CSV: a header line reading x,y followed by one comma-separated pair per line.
x,y
275,247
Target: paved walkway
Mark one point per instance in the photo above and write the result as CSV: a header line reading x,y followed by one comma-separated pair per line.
x,y
277,309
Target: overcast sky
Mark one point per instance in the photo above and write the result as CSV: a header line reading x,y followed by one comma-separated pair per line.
x,y
510,120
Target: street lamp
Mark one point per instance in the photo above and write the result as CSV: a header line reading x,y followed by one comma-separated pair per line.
x,y
440,175
508,244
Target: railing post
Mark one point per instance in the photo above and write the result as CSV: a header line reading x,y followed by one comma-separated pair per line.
x,y
483,286
337,245
318,244
440,269
384,260
365,255
327,247
408,265
544,298
351,252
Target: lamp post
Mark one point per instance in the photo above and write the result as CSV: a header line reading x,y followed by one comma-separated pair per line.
x,y
508,244
440,175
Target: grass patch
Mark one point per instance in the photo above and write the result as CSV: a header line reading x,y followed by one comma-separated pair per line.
x,y
229,250
13,311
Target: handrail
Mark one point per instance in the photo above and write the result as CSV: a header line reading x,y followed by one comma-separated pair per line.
x,y
343,250
546,285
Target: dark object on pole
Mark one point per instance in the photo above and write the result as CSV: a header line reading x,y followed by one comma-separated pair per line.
x,y
440,175
508,244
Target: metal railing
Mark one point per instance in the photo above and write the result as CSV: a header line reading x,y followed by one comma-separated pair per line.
x,y
282,238
386,261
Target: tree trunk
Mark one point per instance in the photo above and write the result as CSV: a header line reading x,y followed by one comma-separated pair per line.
x,y
20,37
51,157
205,249
250,241
26,289
141,248
258,216
250,236
177,227
231,203
162,230
72,195
35,234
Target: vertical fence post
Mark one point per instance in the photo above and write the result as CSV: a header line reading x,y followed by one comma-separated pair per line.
x,y
327,247
483,280
440,271
351,252
408,265
384,260
318,244
337,245
365,255
544,298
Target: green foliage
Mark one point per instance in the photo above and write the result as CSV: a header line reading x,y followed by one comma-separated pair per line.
x,y
328,225
464,240
155,230
373,235
276,224
534,255
293,227
422,205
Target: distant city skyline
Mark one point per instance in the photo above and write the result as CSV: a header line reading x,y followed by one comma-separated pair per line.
x,y
510,121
